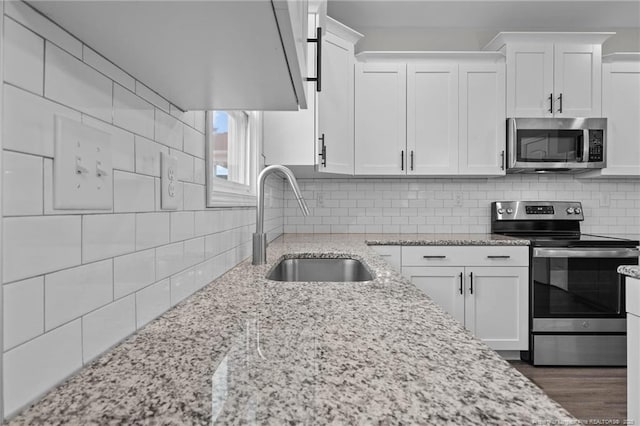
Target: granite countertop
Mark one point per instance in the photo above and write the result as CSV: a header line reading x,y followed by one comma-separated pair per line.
x,y
632,271
248,350
443,240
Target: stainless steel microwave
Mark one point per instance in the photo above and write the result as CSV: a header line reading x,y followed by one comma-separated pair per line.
x,y
556,144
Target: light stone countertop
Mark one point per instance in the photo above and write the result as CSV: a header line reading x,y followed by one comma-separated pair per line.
x,y
248,350
632,271
443,240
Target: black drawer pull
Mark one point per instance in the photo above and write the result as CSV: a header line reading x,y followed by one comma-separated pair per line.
x,y
498,257
434,257
460,289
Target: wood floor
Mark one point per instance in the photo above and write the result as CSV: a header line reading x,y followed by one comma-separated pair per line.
x,y
587,393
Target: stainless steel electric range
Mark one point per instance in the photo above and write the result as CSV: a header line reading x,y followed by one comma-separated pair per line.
x,y
576,297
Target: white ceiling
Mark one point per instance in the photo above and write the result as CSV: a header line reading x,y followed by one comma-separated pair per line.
x,y
508,15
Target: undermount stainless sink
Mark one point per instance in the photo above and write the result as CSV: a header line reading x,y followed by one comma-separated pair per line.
x,y
320,269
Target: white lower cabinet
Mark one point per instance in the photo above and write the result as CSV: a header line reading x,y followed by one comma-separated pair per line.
x,y
632,287
391,254
484,287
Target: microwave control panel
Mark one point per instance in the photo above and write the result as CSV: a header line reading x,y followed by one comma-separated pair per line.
x,y
596,150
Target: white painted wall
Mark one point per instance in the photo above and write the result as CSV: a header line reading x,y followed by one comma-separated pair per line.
x,y
76,283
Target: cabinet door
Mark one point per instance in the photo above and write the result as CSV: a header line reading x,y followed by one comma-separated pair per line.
x,y
578,78
432,119
335,105
621,107
633,366
530,80
443,285
496,306
391,254
482,119
380,110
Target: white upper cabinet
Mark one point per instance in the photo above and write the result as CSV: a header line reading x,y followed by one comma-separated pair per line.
x,y
621,107
430,113
335,101
380,111
432,118
552,74
200,55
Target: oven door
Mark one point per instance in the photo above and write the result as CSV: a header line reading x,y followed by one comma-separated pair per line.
x,y
579,289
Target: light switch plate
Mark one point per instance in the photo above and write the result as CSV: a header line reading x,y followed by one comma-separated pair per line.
x,y
169,182
82,171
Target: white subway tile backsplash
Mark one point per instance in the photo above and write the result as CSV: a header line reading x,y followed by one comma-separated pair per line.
x,y
182,226
199,175
151,96
169,131
97,61
133,272
169,260
72,82
185,165
193,142
122,144
193,251
148,156
193,196
205,222
23,310
106,326
133,192
36,366
23,56
22,186
36,245
182,285
77,291
107,235
28,121
199,121
38,23
152,301
132,112
152,230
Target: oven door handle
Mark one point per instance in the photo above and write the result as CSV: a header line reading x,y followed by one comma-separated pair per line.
x,y
585,252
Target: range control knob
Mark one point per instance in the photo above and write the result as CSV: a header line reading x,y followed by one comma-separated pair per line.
x,y
577,210
500,211
570,210
509,211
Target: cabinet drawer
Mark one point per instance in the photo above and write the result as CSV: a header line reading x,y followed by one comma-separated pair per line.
x,y
389,253
465,256
632,289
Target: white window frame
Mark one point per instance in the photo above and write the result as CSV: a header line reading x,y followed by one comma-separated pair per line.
x,y
224,193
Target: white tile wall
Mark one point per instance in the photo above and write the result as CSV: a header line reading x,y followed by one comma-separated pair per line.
x,y
133,272
107,235
23,309
36,366
22,184
74,292
76,282
36,245
24,54
152,301
71,82
106,326
412,205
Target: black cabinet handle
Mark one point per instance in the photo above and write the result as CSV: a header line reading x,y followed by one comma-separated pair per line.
x,y
460,289
402,160
498,257
471,283
560,107
323,151
502,160
551,103
318,41
434,257
411,159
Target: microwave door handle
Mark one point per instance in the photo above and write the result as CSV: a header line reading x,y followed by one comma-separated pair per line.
x,y
585,146
512,143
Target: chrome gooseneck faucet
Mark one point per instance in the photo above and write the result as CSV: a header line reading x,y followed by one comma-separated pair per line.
x,y
260,237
